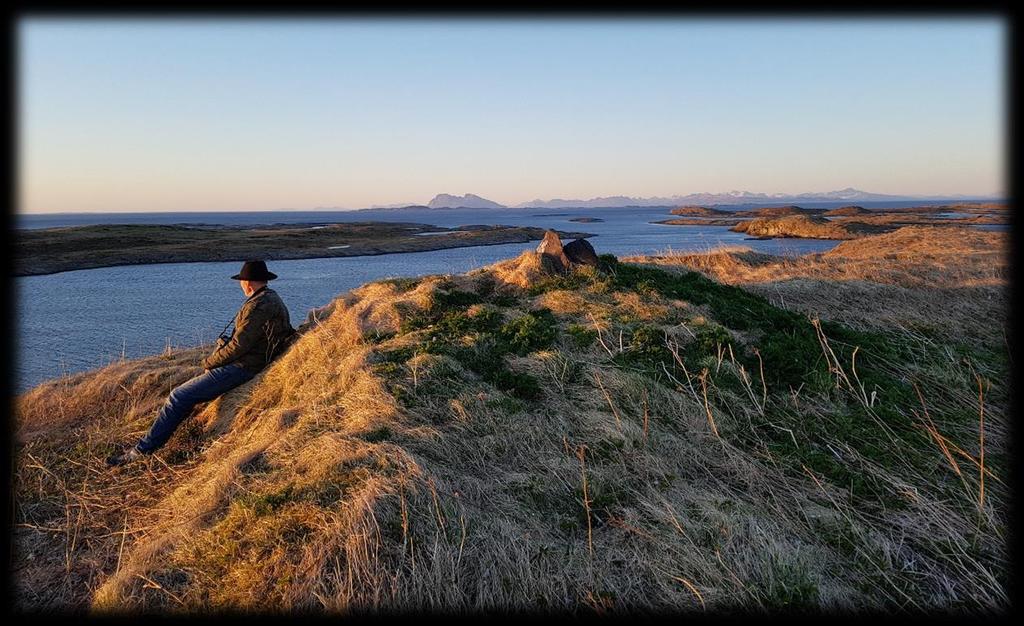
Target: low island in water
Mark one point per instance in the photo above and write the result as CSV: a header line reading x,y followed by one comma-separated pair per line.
x,y
51,250
849,222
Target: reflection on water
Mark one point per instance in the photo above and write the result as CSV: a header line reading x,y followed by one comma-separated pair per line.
x,y
74,321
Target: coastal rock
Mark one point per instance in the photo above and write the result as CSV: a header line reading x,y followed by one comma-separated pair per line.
x,y
580,251
550,248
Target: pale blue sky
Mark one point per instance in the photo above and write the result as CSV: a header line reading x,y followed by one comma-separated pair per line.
x,y
202,114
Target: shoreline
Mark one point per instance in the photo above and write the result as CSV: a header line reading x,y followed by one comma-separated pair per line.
x,y
397,238
799,223
724,248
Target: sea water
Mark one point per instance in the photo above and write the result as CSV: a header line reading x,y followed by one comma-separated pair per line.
x,y
78,320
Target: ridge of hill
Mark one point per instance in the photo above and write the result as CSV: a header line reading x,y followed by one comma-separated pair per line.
x,y
805,226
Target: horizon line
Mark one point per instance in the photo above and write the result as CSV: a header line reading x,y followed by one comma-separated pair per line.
x,y
957,198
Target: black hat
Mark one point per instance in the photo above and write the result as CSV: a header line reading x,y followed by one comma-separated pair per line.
x,y
254,270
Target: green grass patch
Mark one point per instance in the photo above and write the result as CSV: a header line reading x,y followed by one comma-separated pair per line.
x,y
377,435
444,300
792,358
266,503
788,587
481,342
505,404
576,279
402,284
486,357
441,303
646,351
534,331
377,336
581,336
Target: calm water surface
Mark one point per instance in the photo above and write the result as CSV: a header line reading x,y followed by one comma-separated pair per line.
x,y
440,217
75,321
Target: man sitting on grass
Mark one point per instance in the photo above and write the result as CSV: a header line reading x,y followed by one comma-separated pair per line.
x,y
262,330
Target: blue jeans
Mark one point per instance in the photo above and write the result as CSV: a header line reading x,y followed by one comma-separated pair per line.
x,y
185,396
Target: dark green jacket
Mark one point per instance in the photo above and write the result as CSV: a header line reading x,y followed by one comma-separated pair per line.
x,y
262,331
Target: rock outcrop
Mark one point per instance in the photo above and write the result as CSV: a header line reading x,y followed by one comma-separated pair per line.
x,y
551,251
581,252
801,226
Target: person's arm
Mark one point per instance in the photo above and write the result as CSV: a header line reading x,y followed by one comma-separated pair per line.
x,y
248,330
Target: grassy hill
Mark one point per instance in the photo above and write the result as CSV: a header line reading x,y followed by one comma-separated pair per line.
x,y
806,226
638,437
701,211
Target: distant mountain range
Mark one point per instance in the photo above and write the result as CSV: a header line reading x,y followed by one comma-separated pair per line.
x,y
737,197
472,201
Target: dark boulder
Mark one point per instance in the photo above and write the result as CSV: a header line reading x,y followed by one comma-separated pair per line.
x,y
581,252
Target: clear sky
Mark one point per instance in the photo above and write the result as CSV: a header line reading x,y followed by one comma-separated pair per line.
x,y
205,115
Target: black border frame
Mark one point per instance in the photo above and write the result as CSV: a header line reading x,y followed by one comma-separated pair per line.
x,y
872,9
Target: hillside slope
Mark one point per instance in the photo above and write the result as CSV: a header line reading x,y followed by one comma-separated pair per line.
x,y
630,438
947,282
806,226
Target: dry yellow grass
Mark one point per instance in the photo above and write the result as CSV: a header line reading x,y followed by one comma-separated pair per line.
x,y
806,226
915,277
340,480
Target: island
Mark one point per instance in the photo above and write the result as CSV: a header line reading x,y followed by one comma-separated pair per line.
x,y
699,211
848,222
805,227
51,250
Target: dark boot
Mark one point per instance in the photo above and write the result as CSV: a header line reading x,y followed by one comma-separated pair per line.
x,y
125,456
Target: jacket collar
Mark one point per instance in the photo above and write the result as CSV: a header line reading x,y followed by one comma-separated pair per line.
x,y
257,292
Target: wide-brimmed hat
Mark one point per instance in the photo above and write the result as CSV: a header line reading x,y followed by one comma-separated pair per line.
x,y
254,270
